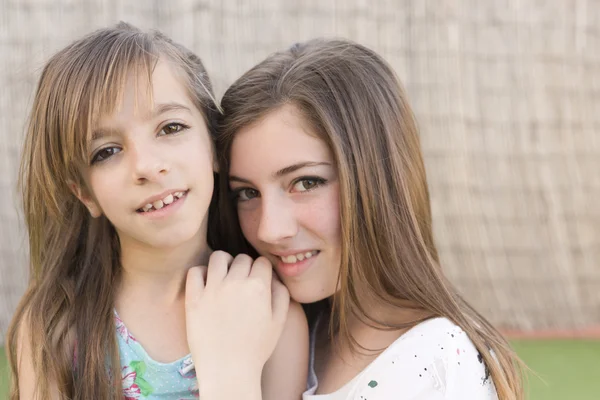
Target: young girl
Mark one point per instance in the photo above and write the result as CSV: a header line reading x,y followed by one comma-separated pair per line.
x,y
322,158
117,179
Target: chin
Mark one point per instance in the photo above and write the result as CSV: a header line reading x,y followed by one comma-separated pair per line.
x,y
174,239
306,294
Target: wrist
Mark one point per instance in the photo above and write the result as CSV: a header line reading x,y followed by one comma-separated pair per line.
x,y
230,384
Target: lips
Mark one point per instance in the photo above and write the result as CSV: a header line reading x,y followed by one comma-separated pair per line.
x,y
299,256
160,201
291,265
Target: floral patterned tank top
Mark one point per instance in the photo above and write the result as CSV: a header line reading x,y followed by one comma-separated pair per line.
x,y
144,378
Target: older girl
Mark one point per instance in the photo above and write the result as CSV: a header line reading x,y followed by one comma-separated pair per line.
x,y
321,156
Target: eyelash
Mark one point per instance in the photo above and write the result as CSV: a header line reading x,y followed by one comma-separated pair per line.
x,y
180,128
318,182
236,194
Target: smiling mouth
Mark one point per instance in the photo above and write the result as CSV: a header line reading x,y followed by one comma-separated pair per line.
x,y
162,203
294,258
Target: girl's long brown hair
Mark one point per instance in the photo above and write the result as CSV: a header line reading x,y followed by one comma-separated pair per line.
x,y
74,259
352,99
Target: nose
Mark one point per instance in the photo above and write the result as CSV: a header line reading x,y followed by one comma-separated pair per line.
x,y
277,220
148,164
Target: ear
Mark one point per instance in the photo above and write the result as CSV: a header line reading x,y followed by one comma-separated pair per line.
x,y
93,207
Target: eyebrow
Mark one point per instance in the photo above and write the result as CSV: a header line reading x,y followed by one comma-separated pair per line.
x,y
160,109
283,171
166,107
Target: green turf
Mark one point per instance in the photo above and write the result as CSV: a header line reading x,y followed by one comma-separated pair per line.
x,y
3,374
570,369
566,369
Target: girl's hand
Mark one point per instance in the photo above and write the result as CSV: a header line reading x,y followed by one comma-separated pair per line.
x,y
234,318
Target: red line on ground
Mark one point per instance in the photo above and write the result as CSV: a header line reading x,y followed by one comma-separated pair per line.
x,y
586,333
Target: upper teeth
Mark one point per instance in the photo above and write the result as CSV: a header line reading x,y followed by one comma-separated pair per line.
x,y
158,204
298,257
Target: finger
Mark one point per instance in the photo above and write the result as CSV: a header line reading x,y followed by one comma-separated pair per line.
x,y
218,264
262,269
194,285
204,270
240,267
276,276
280,302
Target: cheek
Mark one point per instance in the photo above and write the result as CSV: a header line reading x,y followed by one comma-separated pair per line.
x,y
195,152
323,216
249,225
103,185
322,223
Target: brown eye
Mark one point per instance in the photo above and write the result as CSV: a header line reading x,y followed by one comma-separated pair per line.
x,y
306,184
104,154
172,128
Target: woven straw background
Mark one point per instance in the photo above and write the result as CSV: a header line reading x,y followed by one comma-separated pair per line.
x,y
507,94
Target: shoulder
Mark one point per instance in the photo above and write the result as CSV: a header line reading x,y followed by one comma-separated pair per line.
x,y
435,359
284,374
28,351
295,330
24,358
296,326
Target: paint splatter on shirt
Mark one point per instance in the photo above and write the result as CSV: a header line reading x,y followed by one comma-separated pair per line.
x,y
435,360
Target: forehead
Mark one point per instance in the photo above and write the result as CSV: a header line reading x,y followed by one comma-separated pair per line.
x,y
279,139
142,91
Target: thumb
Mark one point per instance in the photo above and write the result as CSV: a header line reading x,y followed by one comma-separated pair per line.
x,y
194,285
280,303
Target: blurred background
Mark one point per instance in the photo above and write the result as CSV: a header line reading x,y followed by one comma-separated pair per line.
x,y
507,96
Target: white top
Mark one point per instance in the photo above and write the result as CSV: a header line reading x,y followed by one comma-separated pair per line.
x,y
435,360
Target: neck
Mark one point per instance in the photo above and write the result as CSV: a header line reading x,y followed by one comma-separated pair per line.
x,y
158,274
388,322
